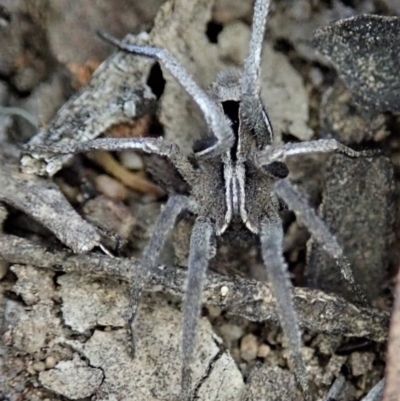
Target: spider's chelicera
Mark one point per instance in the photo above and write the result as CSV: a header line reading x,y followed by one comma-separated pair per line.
x,y
235,182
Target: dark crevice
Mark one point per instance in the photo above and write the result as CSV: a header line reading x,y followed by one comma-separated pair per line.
x,y
349,3
289,138
103,328
213,30
231,110
277,169
7,79
156,129
207,373
5,15
284,46
356,344
156,80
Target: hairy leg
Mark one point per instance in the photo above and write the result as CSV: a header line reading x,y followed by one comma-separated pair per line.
x,y
376,392
252,110
336,389
201,250
155,146
281,152
218,124
164,225
318,229
271,237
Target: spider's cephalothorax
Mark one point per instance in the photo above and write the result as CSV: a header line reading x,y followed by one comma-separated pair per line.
x,y
231,189
235,177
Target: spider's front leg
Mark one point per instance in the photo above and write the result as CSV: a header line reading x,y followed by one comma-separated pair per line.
x,y
271,237
151,146
201,251
216,120
320,232
252,111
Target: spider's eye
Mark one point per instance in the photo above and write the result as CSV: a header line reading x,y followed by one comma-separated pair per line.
x,y
277,169
203,144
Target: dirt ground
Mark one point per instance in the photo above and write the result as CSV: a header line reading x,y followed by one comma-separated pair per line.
x,y
73,227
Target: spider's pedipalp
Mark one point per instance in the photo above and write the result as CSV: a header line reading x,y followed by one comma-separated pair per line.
x,y
271,238
152,146
320,232
281,152
215,118
200,253
151,253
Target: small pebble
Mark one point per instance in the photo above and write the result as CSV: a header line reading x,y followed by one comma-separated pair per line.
x,y
308,353
110,187
18,365
30,370
230,332
235,354
224,291
214,311
39,366
248,347
131,160
316,76
50,362
361,362
263,351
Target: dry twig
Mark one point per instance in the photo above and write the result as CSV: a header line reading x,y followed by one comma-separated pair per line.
x,y
317,311
43,201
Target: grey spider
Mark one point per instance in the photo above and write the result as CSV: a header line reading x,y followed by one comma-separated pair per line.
x,y
235,180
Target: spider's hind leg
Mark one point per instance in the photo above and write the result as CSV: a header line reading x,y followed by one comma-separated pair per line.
x,y
201,251
271,237
164,225
320,232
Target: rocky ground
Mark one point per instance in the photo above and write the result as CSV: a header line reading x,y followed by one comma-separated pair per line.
x,y
64,303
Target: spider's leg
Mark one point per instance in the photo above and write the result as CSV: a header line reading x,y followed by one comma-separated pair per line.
x,y
280,152
218,124
336,389
252,65
376,393
251,109
318,229
164,225
201,251
156,146
271,237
